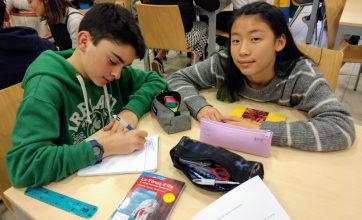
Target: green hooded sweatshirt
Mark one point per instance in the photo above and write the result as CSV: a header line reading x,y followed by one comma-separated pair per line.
x,y
60,109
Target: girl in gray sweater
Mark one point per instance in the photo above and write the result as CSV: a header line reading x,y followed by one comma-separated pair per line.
x,y
264,64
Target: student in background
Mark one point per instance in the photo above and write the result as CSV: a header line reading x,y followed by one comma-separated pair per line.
x,y
71,94
19,46
63,20
196,31
264,64
22,15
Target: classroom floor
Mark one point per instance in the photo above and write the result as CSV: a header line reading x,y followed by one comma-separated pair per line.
x,y
4,214
351,100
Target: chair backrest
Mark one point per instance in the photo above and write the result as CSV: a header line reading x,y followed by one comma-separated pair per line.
x,y
334,9
10,98
328,61
162,26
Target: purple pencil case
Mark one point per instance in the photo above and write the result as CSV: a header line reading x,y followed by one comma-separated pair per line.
x,y
252,141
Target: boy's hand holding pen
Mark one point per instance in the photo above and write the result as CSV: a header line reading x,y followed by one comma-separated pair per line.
x,y
123,142
123,138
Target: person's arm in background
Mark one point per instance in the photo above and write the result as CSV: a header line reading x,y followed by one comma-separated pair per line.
x,y
240,3
74,20
209,5
19,4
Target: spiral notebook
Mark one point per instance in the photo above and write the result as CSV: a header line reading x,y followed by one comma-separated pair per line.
x,y
138,161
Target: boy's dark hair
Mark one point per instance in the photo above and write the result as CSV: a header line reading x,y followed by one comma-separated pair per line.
x,y
285,59
2,13
114,23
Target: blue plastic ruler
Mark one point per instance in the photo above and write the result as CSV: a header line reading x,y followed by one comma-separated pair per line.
x,y
61,201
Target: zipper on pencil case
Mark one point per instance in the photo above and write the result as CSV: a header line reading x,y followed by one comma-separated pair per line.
x,y
197,163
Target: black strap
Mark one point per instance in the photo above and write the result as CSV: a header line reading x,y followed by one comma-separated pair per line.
x,y
61,35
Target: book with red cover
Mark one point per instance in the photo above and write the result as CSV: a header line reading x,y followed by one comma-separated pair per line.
x,y
151,197
255,114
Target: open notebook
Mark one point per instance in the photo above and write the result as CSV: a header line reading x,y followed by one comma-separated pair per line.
x,y
138,161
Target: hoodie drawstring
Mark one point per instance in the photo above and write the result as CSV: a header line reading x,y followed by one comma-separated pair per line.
x,y
85,96
106,96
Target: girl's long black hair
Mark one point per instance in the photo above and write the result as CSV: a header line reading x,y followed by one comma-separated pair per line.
x,y
285,59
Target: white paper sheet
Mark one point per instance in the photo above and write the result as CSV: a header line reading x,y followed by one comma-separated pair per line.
x,y
250,200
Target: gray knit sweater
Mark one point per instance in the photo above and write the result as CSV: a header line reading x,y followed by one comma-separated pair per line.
x,y
329,128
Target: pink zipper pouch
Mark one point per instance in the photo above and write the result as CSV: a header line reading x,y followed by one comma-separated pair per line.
x,y
252,141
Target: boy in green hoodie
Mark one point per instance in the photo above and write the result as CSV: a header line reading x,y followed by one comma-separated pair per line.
x,y
69,95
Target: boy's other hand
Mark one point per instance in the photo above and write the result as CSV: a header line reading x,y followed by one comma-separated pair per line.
x,y
130,117
126,115
209,112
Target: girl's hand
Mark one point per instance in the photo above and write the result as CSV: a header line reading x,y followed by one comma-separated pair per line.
x,y
209,112
123,142
241,122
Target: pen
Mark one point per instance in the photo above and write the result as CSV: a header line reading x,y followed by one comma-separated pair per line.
x,y
212,182
123,122
190,171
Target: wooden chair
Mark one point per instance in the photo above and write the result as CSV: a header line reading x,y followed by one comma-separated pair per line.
x,y
352,53
162,28
328,61
9,101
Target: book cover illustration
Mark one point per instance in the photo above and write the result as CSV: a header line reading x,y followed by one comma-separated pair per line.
x,y
151,197
256,115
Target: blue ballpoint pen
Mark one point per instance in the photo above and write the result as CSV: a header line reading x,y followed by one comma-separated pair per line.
x,y
123,122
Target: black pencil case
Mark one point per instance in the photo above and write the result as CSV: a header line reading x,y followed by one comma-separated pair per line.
x,y
195,159
171,119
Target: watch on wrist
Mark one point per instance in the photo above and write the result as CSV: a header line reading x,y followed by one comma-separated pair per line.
x,y
97,150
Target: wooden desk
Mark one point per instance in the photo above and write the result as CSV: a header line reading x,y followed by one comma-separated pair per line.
x,y
351,20
308,185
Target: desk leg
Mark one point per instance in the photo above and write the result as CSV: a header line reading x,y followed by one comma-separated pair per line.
x,y
18,212
338,39
212,34
312,22
344,29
